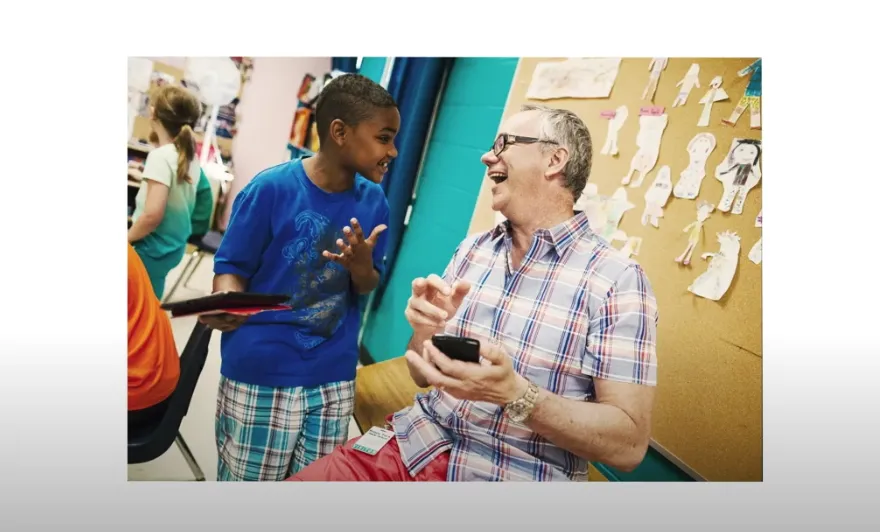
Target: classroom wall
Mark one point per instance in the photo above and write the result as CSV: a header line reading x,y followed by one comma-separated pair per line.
x,y
466,124
266,116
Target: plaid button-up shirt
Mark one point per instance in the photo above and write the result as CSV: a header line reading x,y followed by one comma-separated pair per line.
x,y
575,310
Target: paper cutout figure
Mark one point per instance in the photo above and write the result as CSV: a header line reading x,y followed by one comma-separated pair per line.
x,y
751,99
704,209
691,178
759,220
715,94
614,125
656,66
739,173
632,246
648,140
574,78
604,213
688,82
656,197
715,281
755,253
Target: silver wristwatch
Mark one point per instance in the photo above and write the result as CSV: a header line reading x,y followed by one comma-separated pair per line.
x,y
519,411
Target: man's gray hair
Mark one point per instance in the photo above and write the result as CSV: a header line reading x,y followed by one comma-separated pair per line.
x,y
569,131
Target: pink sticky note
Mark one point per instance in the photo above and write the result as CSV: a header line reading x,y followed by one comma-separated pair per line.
x,y
608,114
654,110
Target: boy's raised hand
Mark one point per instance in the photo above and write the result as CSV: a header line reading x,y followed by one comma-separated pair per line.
x,y
357,255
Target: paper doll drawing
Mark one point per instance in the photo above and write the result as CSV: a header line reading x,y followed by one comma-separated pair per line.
x,y
656,197
715,281
715,94
755,254
687,83
614,125
739,173
648,141
604,213
632,246
656,66
691,178
751,98
695,231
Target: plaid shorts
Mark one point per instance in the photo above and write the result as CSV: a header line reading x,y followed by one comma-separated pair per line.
x,y
266,433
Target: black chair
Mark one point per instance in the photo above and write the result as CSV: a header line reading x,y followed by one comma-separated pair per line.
x,y
148,442
205,244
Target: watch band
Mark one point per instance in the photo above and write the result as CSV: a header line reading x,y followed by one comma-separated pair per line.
x,y
520,410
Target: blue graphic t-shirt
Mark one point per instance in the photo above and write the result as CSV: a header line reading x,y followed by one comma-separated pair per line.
x,y
280,225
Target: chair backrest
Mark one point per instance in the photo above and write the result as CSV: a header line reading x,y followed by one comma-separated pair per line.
x,y
192,360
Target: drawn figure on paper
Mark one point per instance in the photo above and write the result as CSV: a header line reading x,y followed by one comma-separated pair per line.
x,y
691,178
656,197
715,281
715,94
632,246
695,231
656,66
648,141
759,220
739,173
688,82
604,213
756,252
751,99
614,125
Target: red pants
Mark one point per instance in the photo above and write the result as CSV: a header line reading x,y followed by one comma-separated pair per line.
x,y
347,465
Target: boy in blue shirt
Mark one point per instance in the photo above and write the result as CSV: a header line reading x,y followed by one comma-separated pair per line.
x,y
286,392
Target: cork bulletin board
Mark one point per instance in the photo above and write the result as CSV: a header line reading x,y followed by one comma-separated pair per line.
x,y
708,412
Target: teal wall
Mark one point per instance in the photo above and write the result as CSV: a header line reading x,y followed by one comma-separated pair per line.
x,y
467,121
372,68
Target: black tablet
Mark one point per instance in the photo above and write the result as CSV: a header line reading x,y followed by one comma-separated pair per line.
x,y
223,301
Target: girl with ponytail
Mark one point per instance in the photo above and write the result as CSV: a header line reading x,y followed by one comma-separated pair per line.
x,y
162,220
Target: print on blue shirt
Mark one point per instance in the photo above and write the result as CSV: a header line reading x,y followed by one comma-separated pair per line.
x,y
320,287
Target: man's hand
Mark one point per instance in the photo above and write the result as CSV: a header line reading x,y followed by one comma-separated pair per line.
x,y
357,255
432,303
223,322
493,380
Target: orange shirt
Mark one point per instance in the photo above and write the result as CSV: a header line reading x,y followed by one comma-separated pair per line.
x,y
153,362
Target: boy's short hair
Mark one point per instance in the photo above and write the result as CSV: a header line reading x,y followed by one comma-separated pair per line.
x,y
351,98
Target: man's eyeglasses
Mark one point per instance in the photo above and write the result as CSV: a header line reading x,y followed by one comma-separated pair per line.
x,y
505,139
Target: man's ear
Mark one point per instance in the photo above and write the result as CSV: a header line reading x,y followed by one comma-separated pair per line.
x,y
558,159
338,132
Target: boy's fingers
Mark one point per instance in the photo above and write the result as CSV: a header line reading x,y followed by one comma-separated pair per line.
x,y
358,231
351,236
379,229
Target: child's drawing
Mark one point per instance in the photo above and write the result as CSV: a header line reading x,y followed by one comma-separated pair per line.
x,y
656,66
574,78
656,197
691,178
715,281
755,254
648,141
715,94
614,125
632,246
704,209
739,173
751,98
604,213
688,82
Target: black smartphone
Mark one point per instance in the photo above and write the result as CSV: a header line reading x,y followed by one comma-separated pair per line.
x,y
458,347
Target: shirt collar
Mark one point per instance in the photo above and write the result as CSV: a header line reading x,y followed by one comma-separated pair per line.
x,y
560,236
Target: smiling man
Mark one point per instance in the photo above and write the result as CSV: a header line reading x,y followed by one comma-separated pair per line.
x,y
567,325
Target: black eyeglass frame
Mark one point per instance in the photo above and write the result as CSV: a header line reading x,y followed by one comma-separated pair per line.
x,y
506,139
